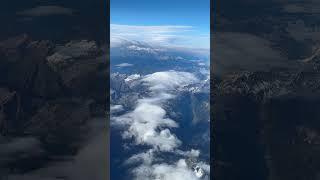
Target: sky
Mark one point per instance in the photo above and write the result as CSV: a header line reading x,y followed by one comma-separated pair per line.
x,y
182,23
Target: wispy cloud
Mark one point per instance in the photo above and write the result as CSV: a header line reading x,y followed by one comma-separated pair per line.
x,y
166,35
124,65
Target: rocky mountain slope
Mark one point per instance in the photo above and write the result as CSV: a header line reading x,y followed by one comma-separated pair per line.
x,y
49,95
265,125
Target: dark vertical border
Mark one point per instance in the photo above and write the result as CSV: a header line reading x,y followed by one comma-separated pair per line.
x,y
107,14
212,22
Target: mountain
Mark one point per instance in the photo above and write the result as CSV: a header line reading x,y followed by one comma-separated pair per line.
x,y
133,48
52,100
158,95
146,58
270,118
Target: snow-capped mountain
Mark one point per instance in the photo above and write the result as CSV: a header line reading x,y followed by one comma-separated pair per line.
x,y
159,93
132,48
137,57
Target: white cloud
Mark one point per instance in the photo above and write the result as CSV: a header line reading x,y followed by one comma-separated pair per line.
x,y
137,48
124,65
132,77
143,126
169,80
131,29
157,98
191,153
148,124
179,171
204,166
144,158
116,108
164,35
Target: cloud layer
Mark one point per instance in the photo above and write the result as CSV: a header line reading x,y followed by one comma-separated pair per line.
x,y
184,36
143,123
148,125
169,80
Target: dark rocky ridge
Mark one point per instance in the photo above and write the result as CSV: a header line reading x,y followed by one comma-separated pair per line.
x,y
266,124
49,93
265,90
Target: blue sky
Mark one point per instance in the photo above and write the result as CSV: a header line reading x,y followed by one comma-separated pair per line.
x,y
183,23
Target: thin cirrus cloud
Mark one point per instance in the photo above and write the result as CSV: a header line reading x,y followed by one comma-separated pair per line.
x,y
124,65
163,35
